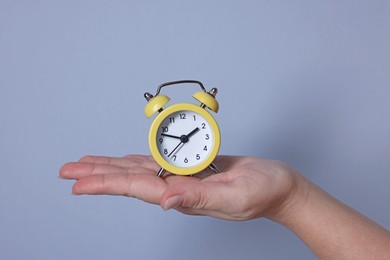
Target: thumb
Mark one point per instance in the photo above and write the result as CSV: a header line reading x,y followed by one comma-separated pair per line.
x,y
199,195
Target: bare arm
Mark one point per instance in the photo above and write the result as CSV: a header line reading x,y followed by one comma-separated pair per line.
x,y
331,229
247,188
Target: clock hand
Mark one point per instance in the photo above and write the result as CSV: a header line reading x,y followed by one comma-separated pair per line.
x,y
175,149
193,132
173,136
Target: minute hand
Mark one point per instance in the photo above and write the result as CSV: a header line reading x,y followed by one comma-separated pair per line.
x,y
173,136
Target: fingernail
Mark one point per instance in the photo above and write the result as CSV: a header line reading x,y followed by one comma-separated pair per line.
x,y
173,202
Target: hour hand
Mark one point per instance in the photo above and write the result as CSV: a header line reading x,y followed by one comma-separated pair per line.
x,y
193,132
173,136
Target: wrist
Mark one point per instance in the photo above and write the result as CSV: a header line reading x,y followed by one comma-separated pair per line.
x,y
294,201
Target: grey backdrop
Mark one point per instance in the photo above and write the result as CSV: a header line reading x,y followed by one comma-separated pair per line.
x,y
306,82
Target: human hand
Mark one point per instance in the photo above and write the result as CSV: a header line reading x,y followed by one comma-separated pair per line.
x,y
246,188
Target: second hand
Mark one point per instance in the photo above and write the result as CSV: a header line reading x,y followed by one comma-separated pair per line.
x,y
174,149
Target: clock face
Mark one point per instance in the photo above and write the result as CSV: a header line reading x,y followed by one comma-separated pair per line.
x,y
185,138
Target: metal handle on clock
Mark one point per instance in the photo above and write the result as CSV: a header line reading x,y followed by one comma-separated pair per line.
x,y
180,82
148,96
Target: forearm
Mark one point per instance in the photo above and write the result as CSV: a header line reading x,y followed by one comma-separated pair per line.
x,y
331,229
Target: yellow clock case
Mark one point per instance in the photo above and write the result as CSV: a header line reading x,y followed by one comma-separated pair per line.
x,y
153,139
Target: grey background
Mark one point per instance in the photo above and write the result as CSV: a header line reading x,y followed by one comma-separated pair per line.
x,y
306,82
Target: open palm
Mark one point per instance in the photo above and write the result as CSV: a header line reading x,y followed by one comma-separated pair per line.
x,y
246,188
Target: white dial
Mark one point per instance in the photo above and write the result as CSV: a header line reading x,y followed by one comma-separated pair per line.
x,y
184,139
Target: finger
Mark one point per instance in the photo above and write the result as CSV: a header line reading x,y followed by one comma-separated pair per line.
x,y
202,195
218,199
76,170
79,170
145,187
127,161
209,213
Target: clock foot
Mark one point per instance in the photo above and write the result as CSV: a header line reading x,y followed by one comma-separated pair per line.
x,y
161,172
214,168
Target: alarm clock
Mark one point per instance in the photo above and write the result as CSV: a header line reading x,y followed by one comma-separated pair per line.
x,y
184,138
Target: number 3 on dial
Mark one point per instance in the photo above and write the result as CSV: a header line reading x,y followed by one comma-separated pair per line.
x,y
184,139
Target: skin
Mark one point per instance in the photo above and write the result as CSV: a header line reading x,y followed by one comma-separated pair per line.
x,y
247,188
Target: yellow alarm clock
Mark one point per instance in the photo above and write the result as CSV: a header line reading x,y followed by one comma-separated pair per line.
x,y
184,138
